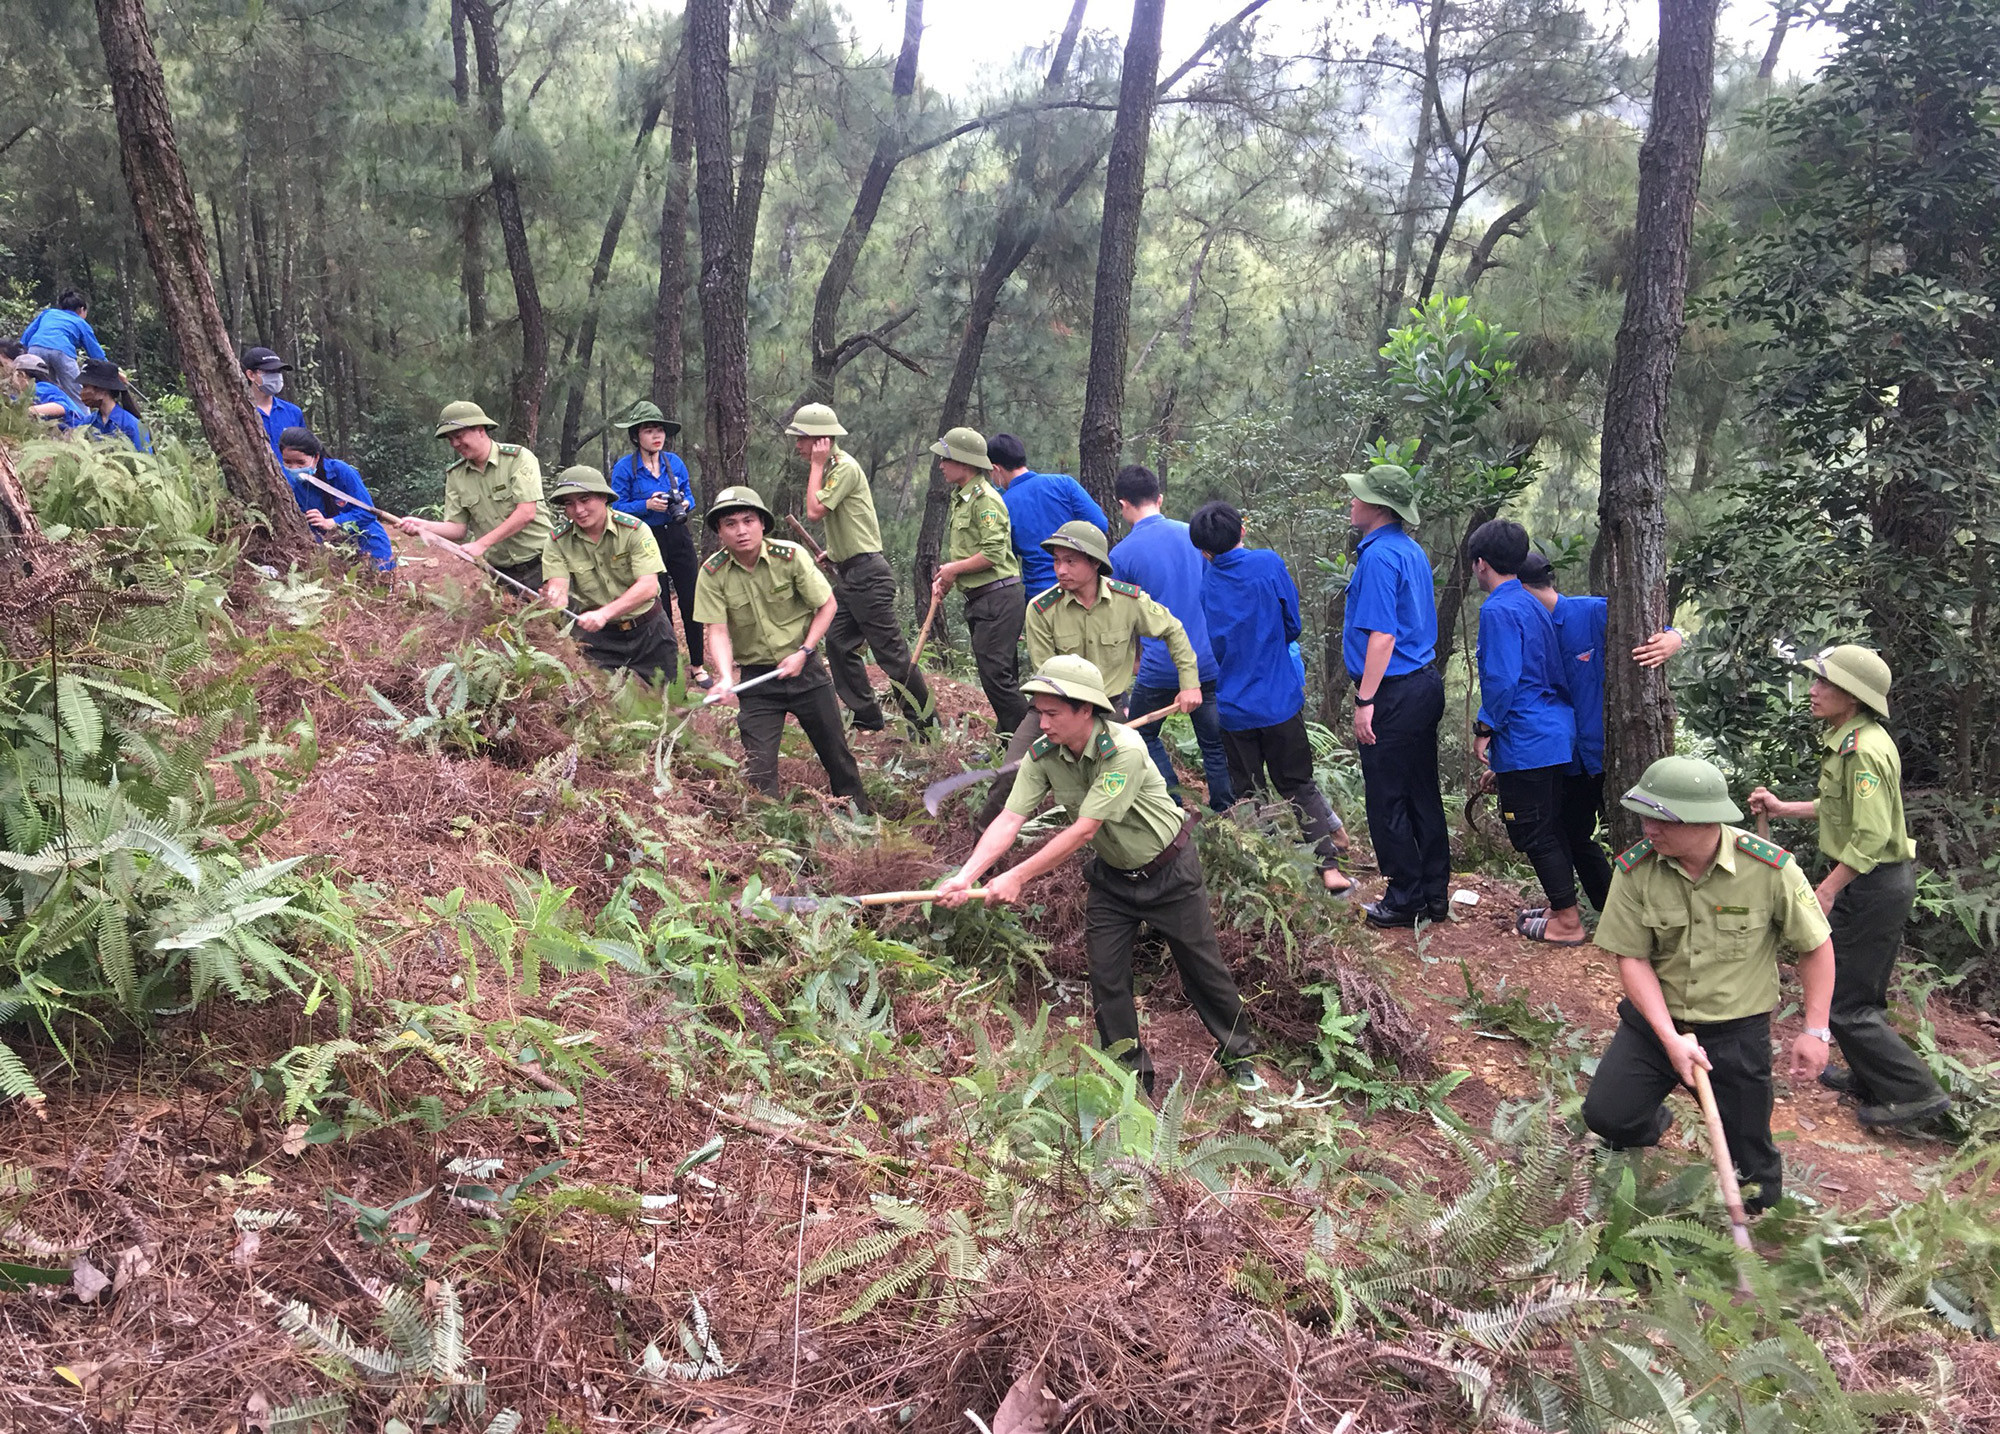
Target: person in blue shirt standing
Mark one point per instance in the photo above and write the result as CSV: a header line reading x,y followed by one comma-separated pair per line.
x,y
1580,626
29,376
1526,731
264,373
1158,557
108,397
56,335
1251,608
1388,644
300,453
653,486
1037,505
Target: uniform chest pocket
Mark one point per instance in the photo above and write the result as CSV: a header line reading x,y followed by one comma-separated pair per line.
x,y
1669,925
500,489
1739,930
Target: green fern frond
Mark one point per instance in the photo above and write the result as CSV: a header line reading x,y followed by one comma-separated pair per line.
x,y
114,954
1205,1163
447,1336
407,1324
16,1082
890,1285
865,1251
507,1421
79,714
323,1414
330,1337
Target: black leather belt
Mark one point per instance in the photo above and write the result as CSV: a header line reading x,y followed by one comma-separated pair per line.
x,y
1161,862
626,624
997,584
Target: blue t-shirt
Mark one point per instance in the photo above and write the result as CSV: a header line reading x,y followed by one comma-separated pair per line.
x,y
1521,682
1390,590
362,526
63,331
121,424
1580,627
1158,557
634,485
73,412
1252,606
284,414
1038,504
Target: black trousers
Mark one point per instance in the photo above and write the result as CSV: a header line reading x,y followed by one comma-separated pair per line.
x,y
1279,758
866,618
994,617
1531,806
809,698
528,575
1868,919
1174,903
1635,1077
1399,774
1582,806
676,545
647,648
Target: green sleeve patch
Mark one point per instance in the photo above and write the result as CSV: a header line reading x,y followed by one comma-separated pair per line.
x,y
1866,784
1111,784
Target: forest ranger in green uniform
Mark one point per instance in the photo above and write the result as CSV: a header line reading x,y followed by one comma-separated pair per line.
x,y
979,547
1090,614
766,606
838,496
613,566
1868,894
1697,915
1145,868
492,497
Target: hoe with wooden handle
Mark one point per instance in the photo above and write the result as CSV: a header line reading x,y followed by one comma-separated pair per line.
x,y
879,898
1725,1168
937,791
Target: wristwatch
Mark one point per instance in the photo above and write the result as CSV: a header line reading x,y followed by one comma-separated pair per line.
x,y
1821,1033
1360,701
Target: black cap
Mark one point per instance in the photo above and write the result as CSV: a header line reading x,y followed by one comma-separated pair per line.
x,y
265,360
102,373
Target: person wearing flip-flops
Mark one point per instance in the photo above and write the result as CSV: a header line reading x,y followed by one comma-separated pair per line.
x,y
1527,733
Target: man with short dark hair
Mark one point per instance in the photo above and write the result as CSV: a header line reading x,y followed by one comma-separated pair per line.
x,y
1526,731
264,374
1037,505
56,334
980,559
612,565
28,374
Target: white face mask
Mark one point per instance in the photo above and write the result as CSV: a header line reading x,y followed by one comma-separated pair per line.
x,y
271,383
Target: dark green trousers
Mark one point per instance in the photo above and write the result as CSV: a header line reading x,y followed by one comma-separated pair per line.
x,y
994,617
647,647
1174,902
809,698
528,575
1868,919
866,618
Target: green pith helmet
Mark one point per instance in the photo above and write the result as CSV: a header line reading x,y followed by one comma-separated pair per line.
x,y
462,414
815,420
1858,671
643,412
730,499
1076,678
1682,789
578,481
1387,485
1082,536
966,446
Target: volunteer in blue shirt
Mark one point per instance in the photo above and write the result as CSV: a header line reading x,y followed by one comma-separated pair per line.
x,y
29,376
1388,642
56,335
1252,609
106,395
1157,556
330,516
264,373
1580,625
653,486
1037,505
1526,731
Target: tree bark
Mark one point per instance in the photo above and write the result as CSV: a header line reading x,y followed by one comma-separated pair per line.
x,y
725,302
1631,552
757,133
670,303
1413,189
471,217
1768,67
163,205
531,379
1101,440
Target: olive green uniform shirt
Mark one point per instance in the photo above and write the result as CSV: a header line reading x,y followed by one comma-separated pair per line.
x,y
1860,805
483,498
1108,632
768,606
850,523
1714,943
1113,782
600,572
979,525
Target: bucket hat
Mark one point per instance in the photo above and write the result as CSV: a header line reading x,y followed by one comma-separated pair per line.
x,y
1387,485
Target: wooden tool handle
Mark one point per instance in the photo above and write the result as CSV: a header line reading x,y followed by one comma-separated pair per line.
x,y
1151,717
806,537
907,898
1725,1167
1764,825
924,632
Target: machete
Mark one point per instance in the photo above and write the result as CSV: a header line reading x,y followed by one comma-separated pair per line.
x,y
937,791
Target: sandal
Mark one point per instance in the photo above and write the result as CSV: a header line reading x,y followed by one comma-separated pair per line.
x,y
1536,928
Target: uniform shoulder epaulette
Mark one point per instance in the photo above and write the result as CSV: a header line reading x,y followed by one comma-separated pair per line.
x,y
624,520
713,563
1105,744
1119,585
1768,852
1632,856
1048,599
1040,747
781,550
563,527
1852,744
510,449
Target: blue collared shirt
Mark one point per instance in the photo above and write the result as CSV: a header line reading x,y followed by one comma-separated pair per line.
x,y
121,424
63,331
1038,504
73,412
1390,590
634,485
1158,557
1521,682
365,528
284,414
1580,626
1252,606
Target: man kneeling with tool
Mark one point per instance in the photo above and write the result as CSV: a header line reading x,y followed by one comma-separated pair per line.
x,y
614,566
1697,914
1146,869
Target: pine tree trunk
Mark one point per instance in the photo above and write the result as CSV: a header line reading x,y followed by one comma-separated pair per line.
x,y
471,217
1101,441
670,304
531,379
725,299
163,206
1631,553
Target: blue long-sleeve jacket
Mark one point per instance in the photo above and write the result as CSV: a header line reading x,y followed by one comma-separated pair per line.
x,y
1252,606
363,526
63,331
121,424
1158,557
284,414
1581,623
1038,504
1521,683
634,485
